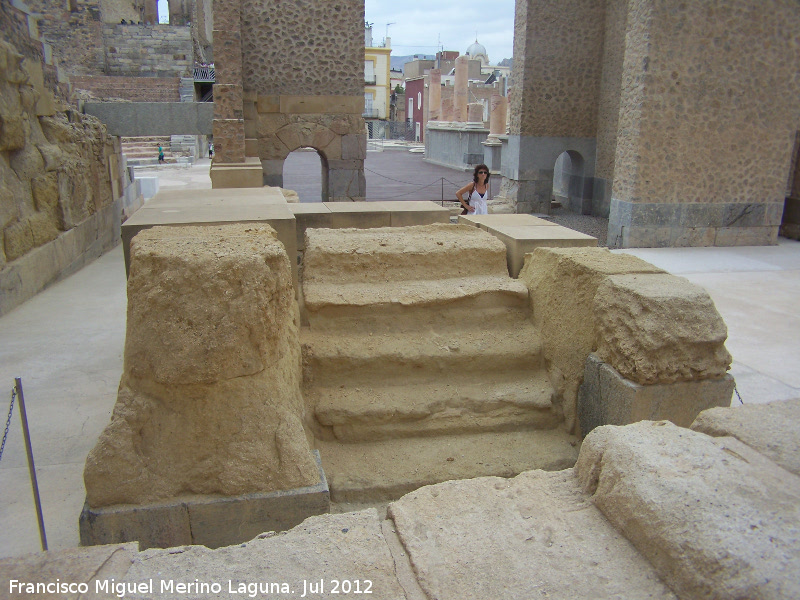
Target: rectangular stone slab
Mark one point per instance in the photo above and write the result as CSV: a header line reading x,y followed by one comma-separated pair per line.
x,y
415,212
360,215
520,240
211,522
520,220
309,215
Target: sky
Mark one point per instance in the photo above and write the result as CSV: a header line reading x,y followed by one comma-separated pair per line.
x,y
419,25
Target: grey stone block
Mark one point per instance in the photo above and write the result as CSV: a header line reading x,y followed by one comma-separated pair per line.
x,y
744,215
655,215
212,522
700,214
607,398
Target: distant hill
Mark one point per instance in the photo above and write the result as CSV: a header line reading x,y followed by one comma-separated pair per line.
x,y
397,62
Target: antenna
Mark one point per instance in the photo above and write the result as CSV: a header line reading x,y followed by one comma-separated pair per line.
x,y
387,29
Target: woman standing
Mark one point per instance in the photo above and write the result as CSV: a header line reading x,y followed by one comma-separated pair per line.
x,y
478,192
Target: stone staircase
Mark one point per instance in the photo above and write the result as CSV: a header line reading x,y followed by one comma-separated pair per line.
x,y
143,151
417,336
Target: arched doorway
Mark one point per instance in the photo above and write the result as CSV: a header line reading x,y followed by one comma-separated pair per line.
x,y
570,184
306,172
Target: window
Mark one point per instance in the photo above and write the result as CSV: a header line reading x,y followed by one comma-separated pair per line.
x,y
419,100
369,72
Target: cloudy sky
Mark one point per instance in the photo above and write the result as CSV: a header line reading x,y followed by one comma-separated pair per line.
x,y
419,25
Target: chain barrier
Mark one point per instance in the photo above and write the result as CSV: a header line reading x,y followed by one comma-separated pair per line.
x,y
736,391
8,421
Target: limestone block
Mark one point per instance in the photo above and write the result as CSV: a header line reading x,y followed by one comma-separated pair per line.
x,y
354,147
52,155
45,102
43,228
659,328
306,134
334,546
562,284
85,565
771,429
209,401
228,56
12,133
268,104
607,398
525,537
9,206
17,239
45,192
346,184
714,517
228,141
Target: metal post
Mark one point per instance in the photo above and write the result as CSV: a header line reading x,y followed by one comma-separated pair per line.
x,y
31,468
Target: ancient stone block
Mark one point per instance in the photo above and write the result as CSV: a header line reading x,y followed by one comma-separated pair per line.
x,y
52,155
268,104
771,429
659,328
45,192
228,141
607,398
714,517
43,228
572,276
12,133
298,135
354,147
17,239
212,335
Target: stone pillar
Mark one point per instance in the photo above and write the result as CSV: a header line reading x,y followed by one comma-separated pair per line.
x,y
475,112
497,115
447,109
670,125
551,114
435,96
460,95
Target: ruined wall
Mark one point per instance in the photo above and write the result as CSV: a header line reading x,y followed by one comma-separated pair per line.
x,y
278,60
140,89
113,11
61,177
147,50
557,67
708,114
75,35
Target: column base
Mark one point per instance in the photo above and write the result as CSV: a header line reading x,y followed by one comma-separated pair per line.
x,y
237,175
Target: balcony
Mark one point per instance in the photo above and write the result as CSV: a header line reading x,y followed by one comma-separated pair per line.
x,y
371,113
204,74
370,80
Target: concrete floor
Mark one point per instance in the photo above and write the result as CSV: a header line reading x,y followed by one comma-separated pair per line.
x,y
67,345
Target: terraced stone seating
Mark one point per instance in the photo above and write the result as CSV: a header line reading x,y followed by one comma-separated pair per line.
x,y
419,332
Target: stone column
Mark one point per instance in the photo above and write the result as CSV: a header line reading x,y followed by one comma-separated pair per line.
x,y
475,112
498,109
435,95
228,111
460,95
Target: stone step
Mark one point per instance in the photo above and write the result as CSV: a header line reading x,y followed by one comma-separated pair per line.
x,y
391,254
456,403
420,356
397,302
387,469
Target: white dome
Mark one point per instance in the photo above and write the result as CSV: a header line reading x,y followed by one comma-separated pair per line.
x,y
477,51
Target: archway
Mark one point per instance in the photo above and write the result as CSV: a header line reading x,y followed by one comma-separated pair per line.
x,y
570,184
306,172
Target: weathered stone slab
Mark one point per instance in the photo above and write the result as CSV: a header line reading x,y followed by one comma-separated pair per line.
x,y
485,221
772,429
244,172
659,328
714,517
521,240
212,336
71,565
607,398
532,536
338,547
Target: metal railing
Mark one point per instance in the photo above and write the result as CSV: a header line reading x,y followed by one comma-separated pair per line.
x,y
371,113
205,74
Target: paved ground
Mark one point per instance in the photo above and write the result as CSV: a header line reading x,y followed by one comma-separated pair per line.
x,y
67,343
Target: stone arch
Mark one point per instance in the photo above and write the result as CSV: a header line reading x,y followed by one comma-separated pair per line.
x,y
570,184
303,190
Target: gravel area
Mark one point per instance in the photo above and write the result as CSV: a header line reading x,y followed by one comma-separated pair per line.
x,y
594,226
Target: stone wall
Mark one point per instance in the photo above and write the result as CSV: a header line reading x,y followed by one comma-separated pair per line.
x,y
562,43
708,115
148,50
62,178
282,42
140,89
